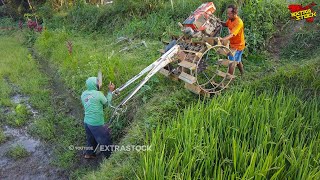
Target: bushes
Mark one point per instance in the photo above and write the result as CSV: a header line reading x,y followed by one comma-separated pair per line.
x,y
7,22
261,19
84,18
7,26
121,13
153,18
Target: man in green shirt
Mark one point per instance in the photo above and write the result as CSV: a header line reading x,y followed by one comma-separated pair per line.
x,y
93,102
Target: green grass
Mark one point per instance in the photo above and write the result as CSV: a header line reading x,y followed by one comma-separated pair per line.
x,y
17,152
90,54
5,92
19,117
3,137
305,42
44,128
21,70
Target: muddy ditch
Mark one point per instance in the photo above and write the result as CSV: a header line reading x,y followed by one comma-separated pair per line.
x,y
37,164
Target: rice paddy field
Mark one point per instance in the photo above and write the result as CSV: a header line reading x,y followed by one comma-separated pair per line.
x,y
265,126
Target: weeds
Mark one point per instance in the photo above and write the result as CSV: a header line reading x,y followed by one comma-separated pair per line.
x,y
20,116
153,19
43,128
17,152
3,137
260,19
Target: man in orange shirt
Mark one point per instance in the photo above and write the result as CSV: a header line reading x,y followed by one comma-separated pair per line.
x,y
236,37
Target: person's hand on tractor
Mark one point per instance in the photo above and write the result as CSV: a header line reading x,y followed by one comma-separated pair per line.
x,y
222,22
111,87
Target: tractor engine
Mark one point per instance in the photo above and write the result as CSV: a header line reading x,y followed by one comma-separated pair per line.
x,y
202,22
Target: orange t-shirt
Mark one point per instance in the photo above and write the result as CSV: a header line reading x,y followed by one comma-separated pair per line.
x,y
236,27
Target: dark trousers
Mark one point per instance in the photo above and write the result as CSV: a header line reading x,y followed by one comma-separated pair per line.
x,y
98,135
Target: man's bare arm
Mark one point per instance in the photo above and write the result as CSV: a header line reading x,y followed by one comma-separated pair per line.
x,y
227,37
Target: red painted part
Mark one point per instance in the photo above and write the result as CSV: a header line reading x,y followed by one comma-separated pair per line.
x,y
190,25
206,10
202,28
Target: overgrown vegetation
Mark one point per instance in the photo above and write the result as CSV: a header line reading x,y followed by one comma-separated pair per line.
x,y
305,42
158,18
263,130
261,19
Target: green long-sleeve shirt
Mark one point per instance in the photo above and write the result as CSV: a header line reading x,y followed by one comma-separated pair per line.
x,y
93,102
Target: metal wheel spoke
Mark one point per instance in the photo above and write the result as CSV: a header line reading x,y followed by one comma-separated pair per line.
x,y
211,56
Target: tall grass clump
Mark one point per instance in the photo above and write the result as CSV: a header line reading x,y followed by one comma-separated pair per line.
x,y
273,135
